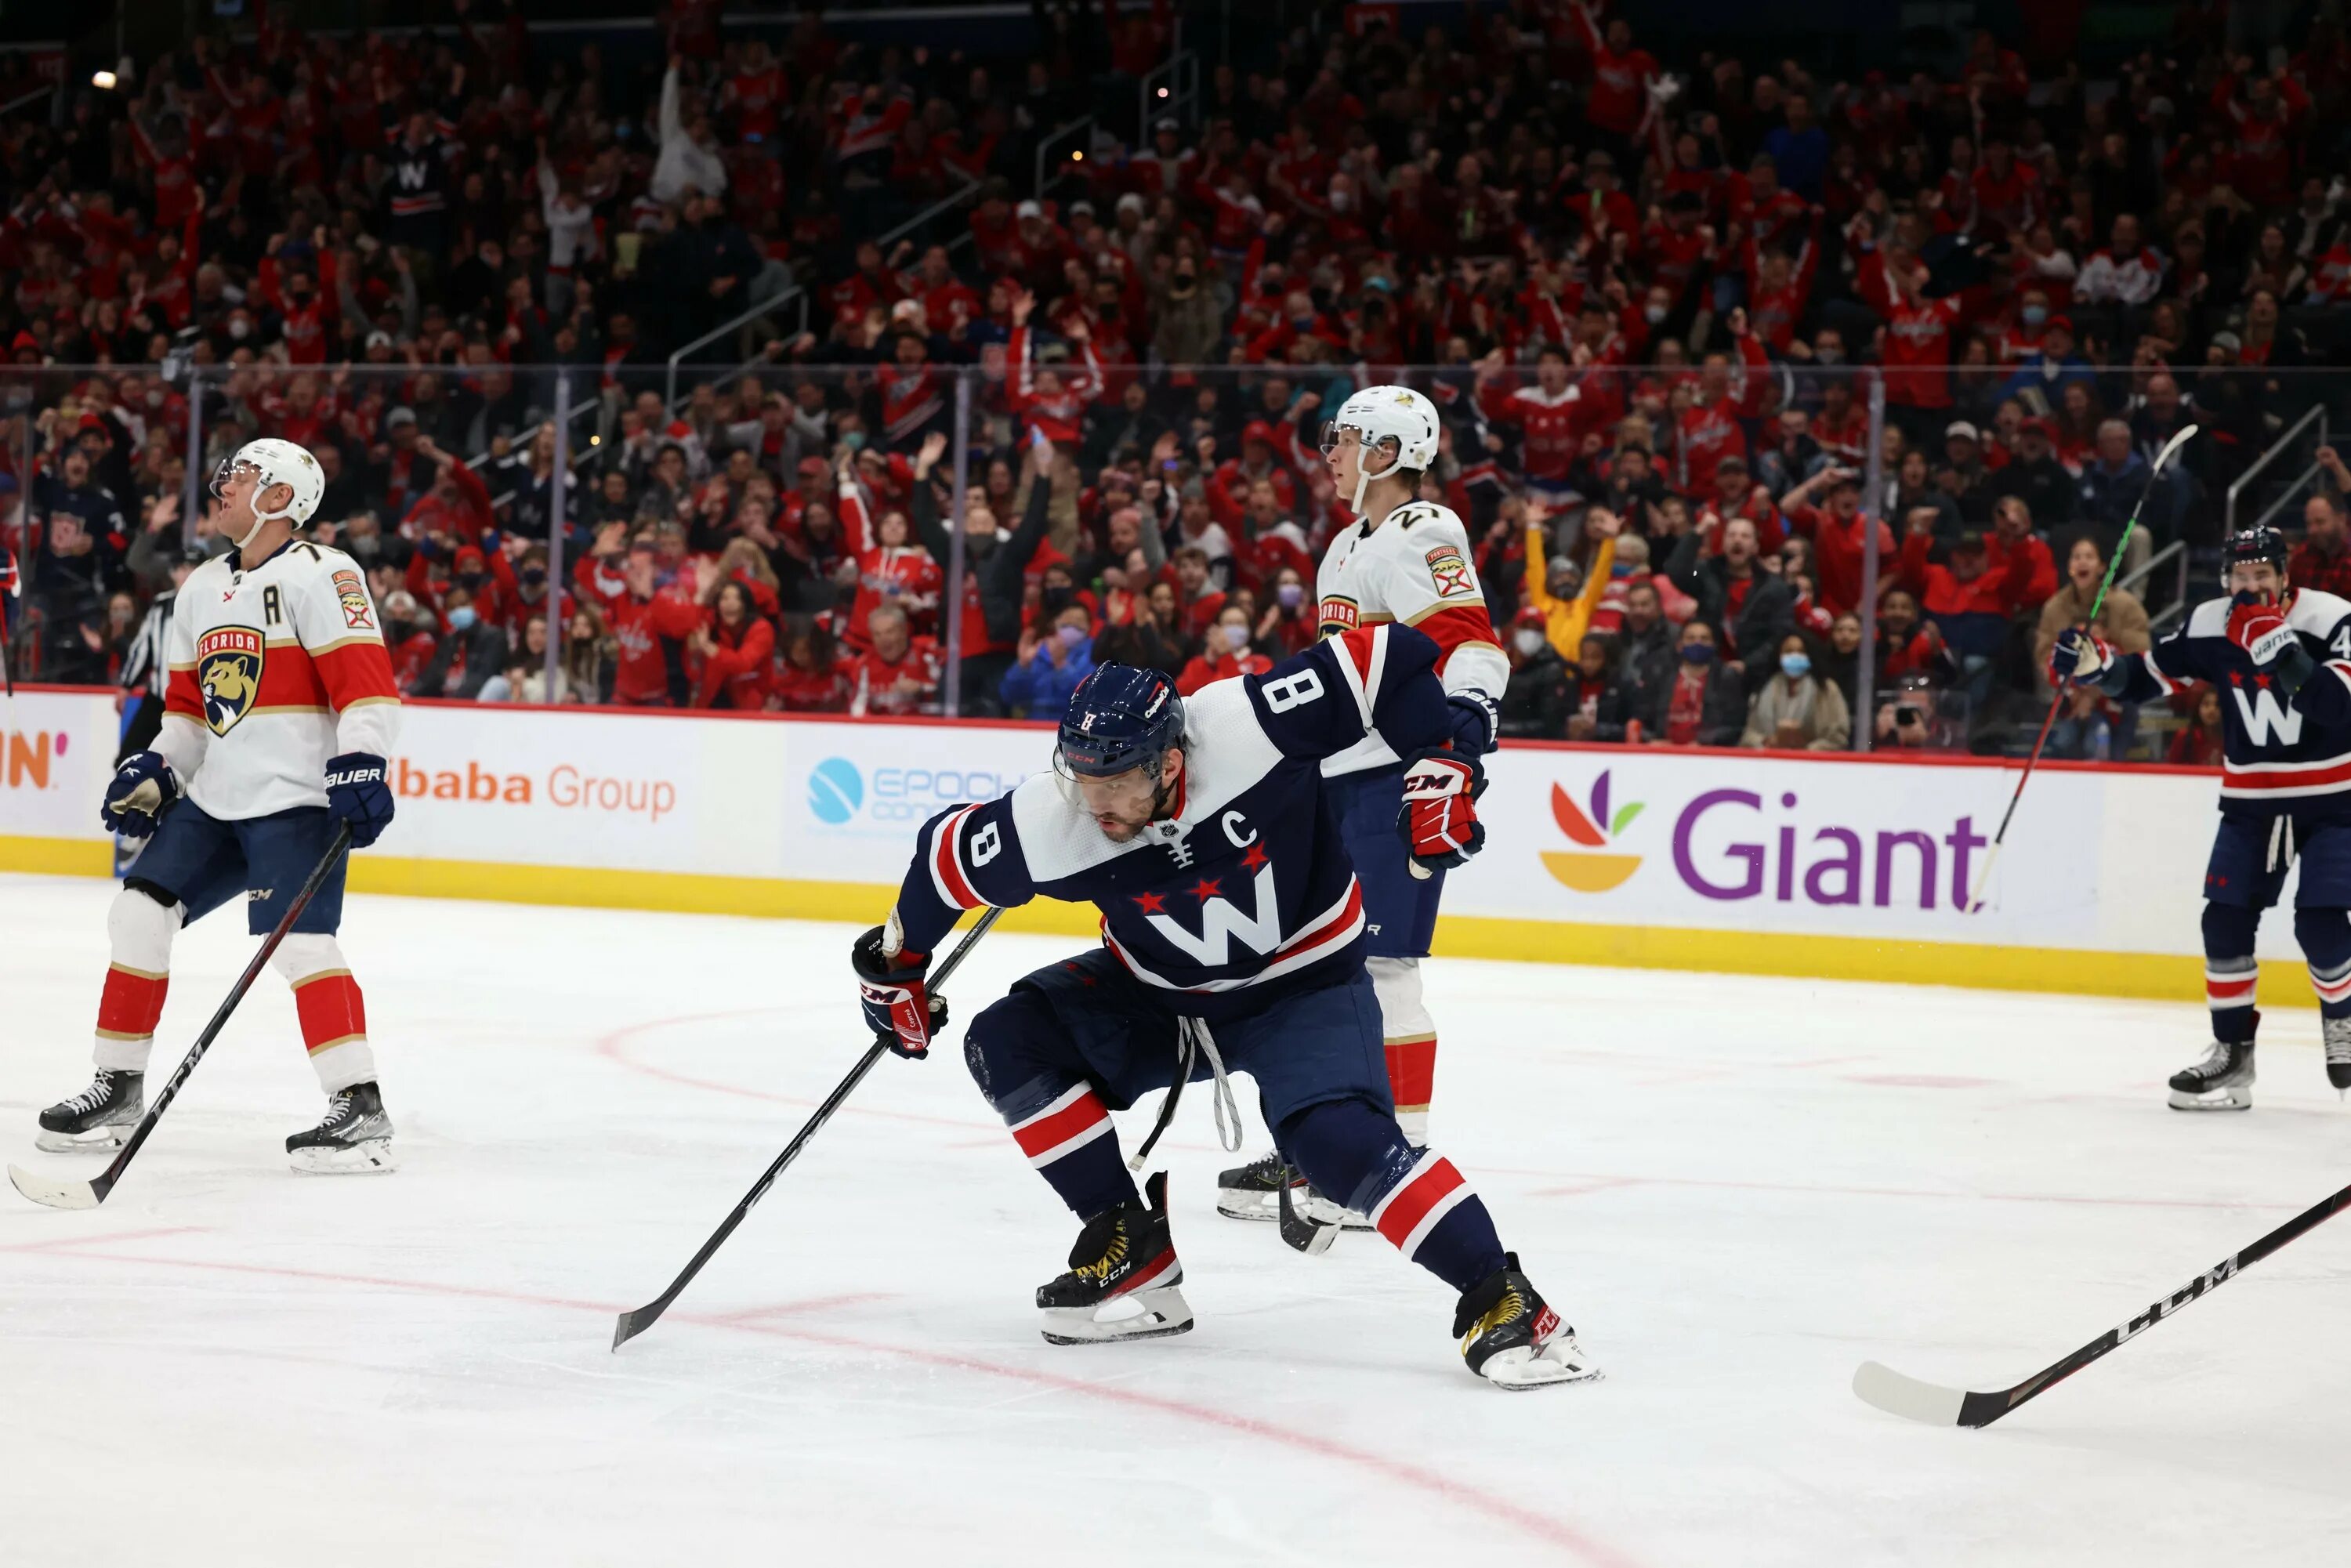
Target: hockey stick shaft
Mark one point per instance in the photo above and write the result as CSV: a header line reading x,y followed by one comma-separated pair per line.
x,y
2130,525
1983,1409
99,1185
632,1324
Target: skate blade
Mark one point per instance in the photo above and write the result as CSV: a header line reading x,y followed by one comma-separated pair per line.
x,y
1523,1367
1142,1314
101,1140
1235,1203
2239,1099
372,1157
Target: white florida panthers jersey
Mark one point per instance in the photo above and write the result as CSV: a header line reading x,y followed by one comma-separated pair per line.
x,y
273,671
1414,567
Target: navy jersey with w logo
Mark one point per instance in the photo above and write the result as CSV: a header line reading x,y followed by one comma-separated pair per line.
x,y
1244,891
2281,754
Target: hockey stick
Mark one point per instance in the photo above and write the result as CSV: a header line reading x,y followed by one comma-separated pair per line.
x,y
633,1323
90,1193
1892,1392
2162,461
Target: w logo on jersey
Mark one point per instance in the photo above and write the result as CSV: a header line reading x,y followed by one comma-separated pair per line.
x,y
1221,921
2262,712
228,674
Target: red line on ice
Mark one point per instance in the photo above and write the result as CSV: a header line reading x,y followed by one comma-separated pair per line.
x,y
1541,1526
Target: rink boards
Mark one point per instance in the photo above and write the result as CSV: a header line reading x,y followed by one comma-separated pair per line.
x,y
1838,867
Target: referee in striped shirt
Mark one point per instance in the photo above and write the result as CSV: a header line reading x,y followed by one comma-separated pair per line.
x,y
145,669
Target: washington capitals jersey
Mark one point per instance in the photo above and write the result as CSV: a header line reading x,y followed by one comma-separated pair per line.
x,y
273,670
1245,885
1414,569
2279,754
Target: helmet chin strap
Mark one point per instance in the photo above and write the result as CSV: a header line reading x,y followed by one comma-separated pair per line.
x,y
1364,477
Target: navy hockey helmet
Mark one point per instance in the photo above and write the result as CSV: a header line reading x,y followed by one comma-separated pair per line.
x,y
2259,542
1120,718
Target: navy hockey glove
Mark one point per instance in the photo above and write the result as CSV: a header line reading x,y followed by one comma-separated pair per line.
x,y
1440,820
902,1013
2083,659
356,793
1475,722
137,794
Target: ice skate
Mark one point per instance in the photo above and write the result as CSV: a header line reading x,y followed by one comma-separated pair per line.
x,y
2338,1052
1122,1277
2223,1081
100,1117
1253,1191
1511,1338
355,1139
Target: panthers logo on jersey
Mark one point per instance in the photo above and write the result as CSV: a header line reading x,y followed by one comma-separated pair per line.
x,y
1449,573
353,595
228,674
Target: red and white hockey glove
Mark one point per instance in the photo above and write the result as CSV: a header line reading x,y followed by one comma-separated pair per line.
x,y
1440,820
2260,630
890,988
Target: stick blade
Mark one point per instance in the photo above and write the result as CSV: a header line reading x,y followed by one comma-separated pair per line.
x,y
630,1324
53,1193
1897,1395
2171,447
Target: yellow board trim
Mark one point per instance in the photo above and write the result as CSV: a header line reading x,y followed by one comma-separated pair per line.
x,y
2145,977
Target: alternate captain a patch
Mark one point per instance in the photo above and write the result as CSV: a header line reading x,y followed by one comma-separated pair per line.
x,y
357,612
1449,571
228,674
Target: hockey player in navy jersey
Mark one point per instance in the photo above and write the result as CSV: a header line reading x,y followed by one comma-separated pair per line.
x,y
2281,658
1233,936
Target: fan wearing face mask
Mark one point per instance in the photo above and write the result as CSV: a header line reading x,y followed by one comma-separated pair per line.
x,y
1224,653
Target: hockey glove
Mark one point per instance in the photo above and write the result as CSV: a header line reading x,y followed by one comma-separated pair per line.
x,y
2260,630
356,793
2080,659
1475,722
890,988
137,794
1440,820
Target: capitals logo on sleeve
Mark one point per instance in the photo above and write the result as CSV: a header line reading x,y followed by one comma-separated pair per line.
x,y
357,613
228,674
1449,573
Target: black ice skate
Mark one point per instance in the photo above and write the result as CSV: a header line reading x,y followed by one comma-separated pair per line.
x,y
1122,1277
2223,1081
100,1117
354,1139
1512,1339
1253,1191
2338,1052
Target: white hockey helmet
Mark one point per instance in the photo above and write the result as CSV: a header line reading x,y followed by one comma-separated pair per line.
x,y
273,462
1384,414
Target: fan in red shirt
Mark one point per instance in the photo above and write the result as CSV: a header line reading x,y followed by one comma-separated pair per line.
x,y
811,676
408,637
1839,533
1763,210
756,94
1618,100
2007,193
1228,486
899,673
1779,289
1678,242
1051,402
1707,416
735,650
1917,343
1224,653
1551,416
641,618
307,305
890,569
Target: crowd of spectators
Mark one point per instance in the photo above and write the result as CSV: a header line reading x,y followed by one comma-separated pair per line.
x,y
1651,304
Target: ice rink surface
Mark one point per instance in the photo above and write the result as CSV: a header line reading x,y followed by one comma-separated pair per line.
x,y
1738,1189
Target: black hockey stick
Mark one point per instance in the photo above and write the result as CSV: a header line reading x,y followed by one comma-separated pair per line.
x,y
2171,449
90,1193
1891,1391
633,1323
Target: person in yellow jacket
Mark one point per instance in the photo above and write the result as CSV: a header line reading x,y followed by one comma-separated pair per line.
x,y
1567,610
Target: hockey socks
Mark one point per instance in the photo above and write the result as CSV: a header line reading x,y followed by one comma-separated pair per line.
x,y
333,1014
139,931
1409,1041
1415,1198
2231,972
2324,935
1067,1136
